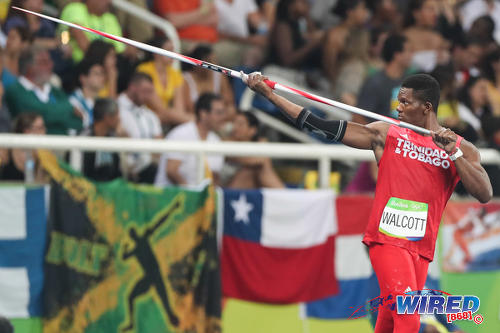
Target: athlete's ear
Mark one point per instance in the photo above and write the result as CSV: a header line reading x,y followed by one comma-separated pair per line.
x,y
428,107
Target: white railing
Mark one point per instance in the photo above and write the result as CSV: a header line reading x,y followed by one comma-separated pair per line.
x,y
323,153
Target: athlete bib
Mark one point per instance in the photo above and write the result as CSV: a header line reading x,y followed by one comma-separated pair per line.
x,y
404,219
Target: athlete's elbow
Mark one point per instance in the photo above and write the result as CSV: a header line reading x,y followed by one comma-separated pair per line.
x,y
485,196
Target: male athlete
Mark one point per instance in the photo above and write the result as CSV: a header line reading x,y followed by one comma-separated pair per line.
x,y
416,177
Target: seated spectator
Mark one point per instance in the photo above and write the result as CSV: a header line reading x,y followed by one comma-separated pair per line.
x,y
5,326
353,14
33,93
167,101
195,20
474,105
447,112
241,27
291,44
43,31
13,162
491,127
5,125
104,53
490,69
138,121
248,172
100,165
482,30
17,41
379,91
353,67
429,47
387,14
181,168
473,9
198,80
92,14
91,81
466,55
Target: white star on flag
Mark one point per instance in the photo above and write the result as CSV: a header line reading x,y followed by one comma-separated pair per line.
x,y
241,209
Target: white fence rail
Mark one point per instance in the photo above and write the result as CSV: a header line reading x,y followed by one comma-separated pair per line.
x,y
323,153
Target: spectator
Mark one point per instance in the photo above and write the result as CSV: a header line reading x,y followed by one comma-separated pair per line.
x,y
91,81
353,67
466,54
42,31
14,161
238,20
103,53
293,42
386,15
378,91
138,121
33,92
429,47
6,326
248,172
473,9
134,27
491,127
103,166
447,112
353,14
195,20
17,41
474,104
180,168
199,80
490,69
482,30
167,101
92,14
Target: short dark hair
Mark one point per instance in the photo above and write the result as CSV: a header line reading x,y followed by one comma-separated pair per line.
x,y
394,43
204,102
27,57
425,88
103,107
5,325
343,6
138,77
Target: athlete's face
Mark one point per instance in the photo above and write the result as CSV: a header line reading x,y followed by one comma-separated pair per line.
x,y
411,109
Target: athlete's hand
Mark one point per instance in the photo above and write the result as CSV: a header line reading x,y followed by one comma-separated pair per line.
x,y
256,82
445,139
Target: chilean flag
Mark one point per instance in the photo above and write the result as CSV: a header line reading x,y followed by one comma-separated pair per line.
x,y
278,245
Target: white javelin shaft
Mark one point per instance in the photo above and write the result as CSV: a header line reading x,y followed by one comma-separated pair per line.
x,y
233,73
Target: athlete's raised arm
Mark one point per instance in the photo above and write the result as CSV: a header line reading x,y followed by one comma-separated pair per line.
x,y
371,136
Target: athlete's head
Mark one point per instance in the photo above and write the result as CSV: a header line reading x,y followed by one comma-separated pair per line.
x,y
425,89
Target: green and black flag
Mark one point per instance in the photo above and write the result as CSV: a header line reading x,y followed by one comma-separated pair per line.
x,y
128,258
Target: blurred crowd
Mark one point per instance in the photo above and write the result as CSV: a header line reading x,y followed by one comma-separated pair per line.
x,y
56,80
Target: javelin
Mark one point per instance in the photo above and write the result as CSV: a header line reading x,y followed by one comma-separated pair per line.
x,y
232,73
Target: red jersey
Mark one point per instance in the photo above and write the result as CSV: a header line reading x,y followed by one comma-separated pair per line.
x,y
415,180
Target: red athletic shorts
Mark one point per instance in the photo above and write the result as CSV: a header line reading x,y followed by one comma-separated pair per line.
x,y
397,269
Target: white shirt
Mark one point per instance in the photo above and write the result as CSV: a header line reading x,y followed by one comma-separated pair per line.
x,y
189,162
43,94
233,16
141,123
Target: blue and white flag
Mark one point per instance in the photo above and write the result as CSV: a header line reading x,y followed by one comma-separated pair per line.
x,y
23,223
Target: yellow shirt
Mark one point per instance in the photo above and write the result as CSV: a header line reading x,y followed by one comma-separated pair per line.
x,y
174,80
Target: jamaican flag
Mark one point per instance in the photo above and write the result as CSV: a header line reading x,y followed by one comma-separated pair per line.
x,y
129,258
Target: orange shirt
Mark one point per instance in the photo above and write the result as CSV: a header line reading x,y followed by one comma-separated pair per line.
x,y
194,32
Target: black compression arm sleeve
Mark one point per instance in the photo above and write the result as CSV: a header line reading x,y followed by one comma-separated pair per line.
x,y
330,129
